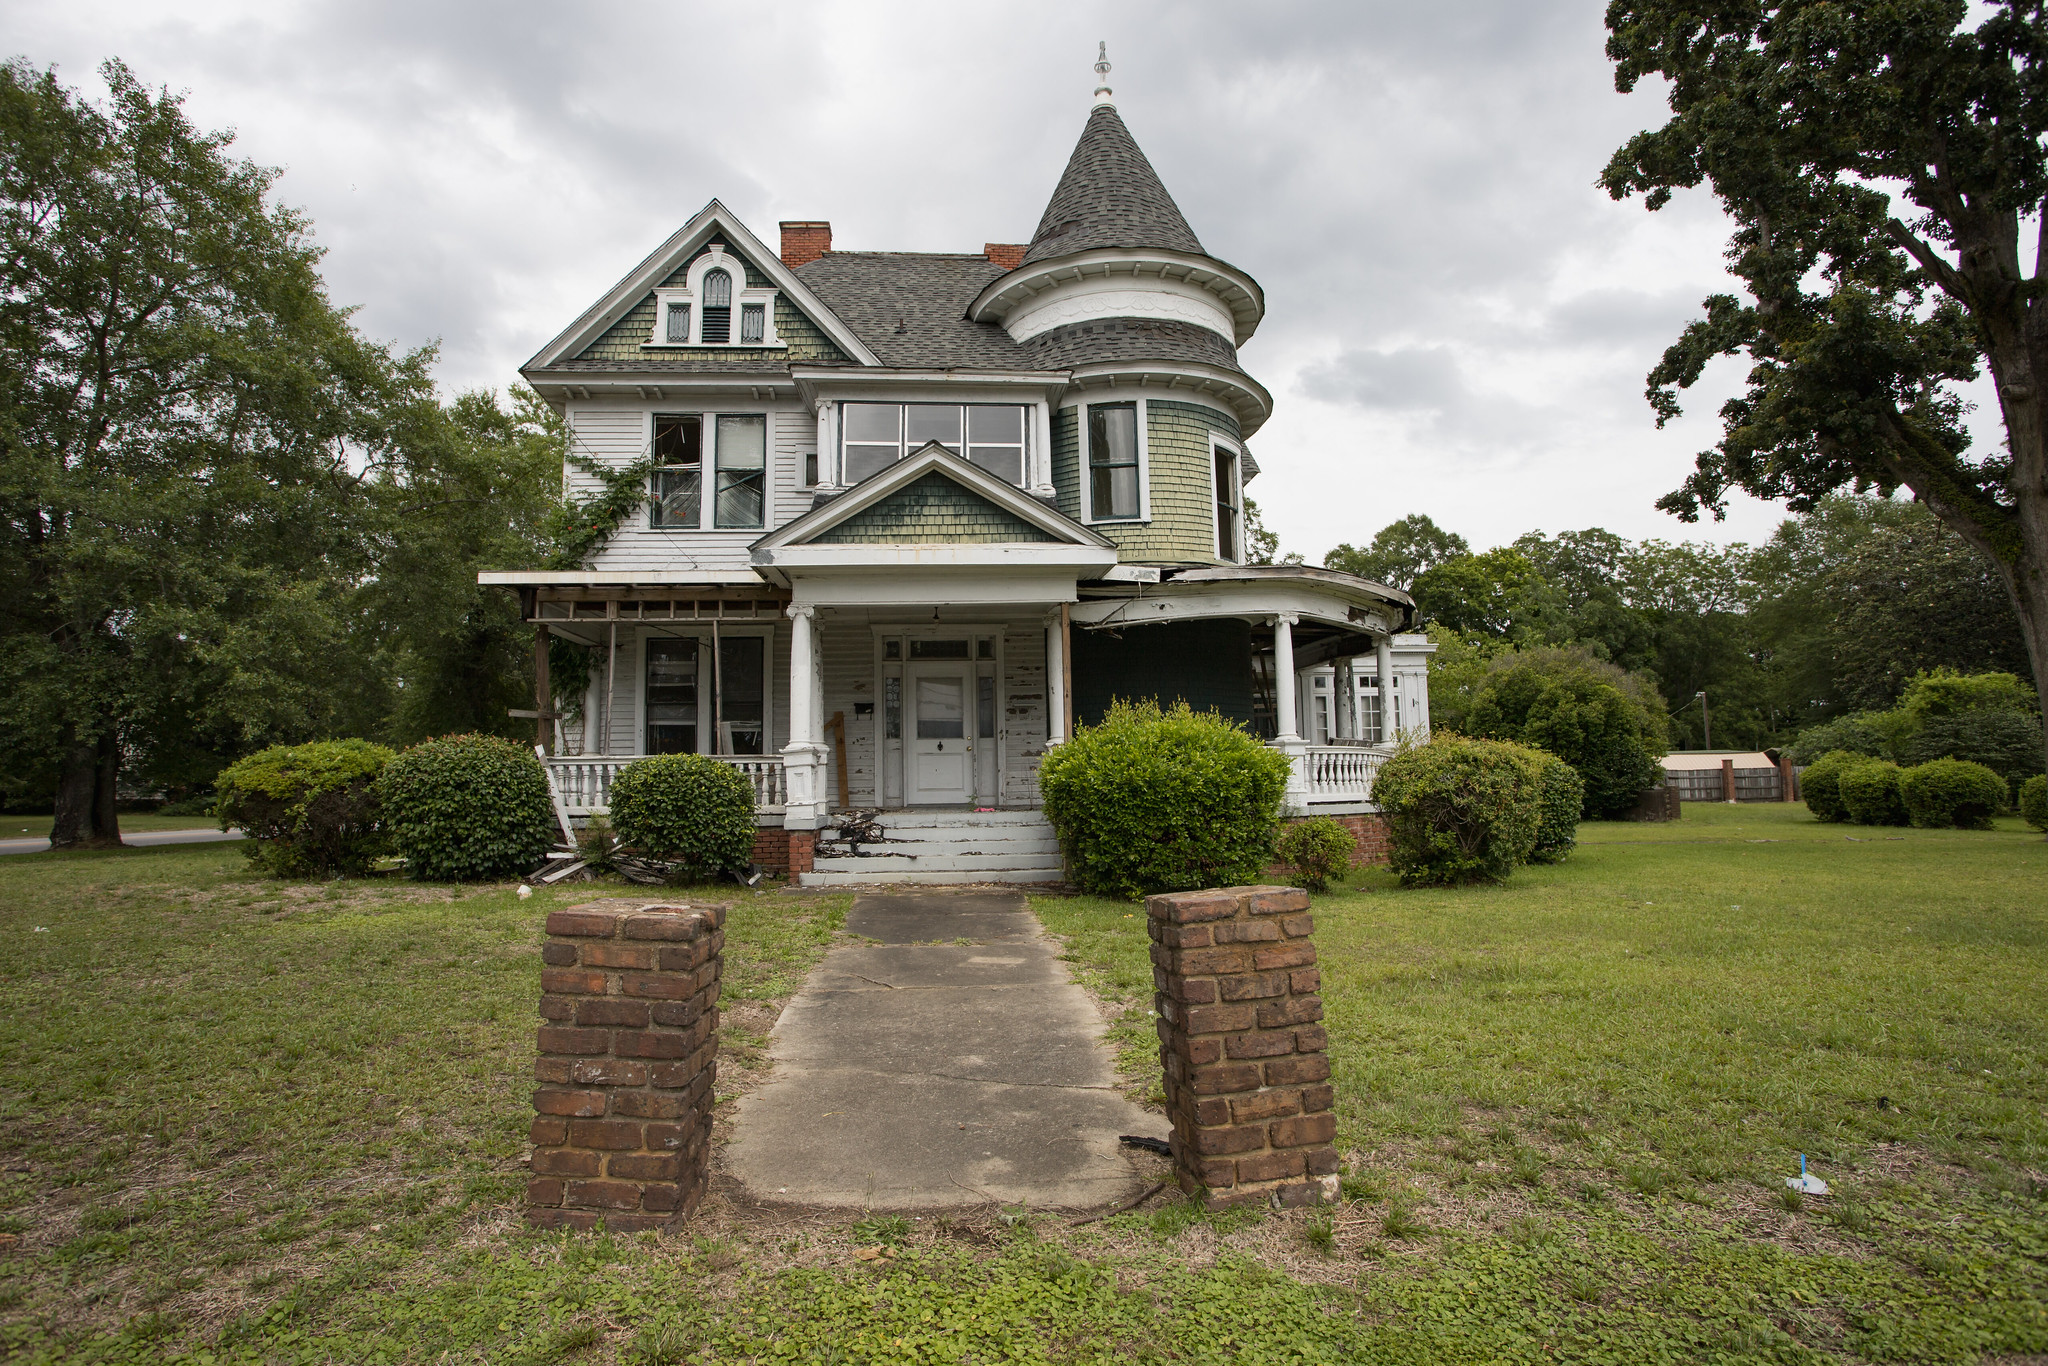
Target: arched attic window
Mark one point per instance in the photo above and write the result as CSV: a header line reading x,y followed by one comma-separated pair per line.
x,y
717,308
705,312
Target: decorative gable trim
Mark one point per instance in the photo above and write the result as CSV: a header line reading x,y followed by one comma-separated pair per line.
x,y
713,221
1057,528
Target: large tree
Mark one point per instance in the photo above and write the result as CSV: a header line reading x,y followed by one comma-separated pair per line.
x,y
184,419
1879,159
1399,552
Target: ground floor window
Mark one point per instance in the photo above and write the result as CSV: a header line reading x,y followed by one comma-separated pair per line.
x,y
672,696
743,677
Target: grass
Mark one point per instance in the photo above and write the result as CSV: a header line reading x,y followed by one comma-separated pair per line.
x,y
244,1120
132,823
1642,1040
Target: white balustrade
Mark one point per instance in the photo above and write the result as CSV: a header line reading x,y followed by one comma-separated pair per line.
x,y
584,782
1341,773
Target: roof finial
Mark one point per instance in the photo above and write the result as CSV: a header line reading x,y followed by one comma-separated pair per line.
x,y
1102,94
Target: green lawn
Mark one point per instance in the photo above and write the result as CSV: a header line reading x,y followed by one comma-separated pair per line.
x,y
132,823
243,1120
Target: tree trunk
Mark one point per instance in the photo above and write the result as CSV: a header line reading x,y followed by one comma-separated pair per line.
x,y
85,816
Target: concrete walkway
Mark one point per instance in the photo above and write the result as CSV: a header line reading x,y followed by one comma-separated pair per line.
x,y
953,1063
141,839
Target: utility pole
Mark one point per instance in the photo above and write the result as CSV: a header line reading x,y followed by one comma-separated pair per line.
x,y
1706,723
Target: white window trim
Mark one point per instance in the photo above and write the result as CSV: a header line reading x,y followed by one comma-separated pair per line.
x,y
1219,441
707,484
1087,480
770,743
1036,455
743,293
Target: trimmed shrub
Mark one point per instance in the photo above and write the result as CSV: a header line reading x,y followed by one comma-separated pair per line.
x,y
2034,801
1460,810
467,807
2004,741
1318,850
187,806
1163,801
1820,786
1560,705
1563,797
1945,792
309,810
685,809
1871,792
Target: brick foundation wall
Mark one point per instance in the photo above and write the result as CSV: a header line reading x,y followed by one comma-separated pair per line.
x,y
1369,840
1247,1081
785,853
622,1133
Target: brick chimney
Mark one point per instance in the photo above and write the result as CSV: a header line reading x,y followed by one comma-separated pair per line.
x,y
1008,255
803,243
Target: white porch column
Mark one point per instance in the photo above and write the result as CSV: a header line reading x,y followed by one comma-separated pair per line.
x,y
803,758
1055,681
1288,741
1383,651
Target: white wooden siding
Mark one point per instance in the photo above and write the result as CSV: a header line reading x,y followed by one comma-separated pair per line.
x,y
615,435
847,653
1022,718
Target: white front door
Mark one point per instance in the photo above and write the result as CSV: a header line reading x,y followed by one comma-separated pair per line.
x,y
941,759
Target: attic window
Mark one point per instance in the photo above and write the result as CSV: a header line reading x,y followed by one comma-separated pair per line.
x,y
717,309
753,322
678,324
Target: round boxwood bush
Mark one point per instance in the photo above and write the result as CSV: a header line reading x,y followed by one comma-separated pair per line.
x,y
1163,801
467,807
686,809
1820,784
1461,810
1871,792
1318,850
2034,801
1563,797
309,810
1943,792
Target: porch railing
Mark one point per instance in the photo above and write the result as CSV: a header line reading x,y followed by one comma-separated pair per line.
x,y
583,783
1341,773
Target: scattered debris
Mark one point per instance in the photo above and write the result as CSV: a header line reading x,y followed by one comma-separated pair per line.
x,y
1150,1145
1805,1184
1149,1192
880,1252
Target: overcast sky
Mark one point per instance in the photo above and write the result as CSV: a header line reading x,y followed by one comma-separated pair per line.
x,y
1458,320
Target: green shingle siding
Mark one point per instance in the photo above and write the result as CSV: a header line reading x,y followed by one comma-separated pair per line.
x,y
932,510
1182,526
625,341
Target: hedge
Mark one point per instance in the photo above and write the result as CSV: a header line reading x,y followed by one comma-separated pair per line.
x,y
688,810
1821,784
1870,790
1318,850
309,810
1944,792
1561,798
2034,801
1163,801
1461,810
468,807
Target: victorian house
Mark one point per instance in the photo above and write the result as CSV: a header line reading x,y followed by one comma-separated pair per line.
x,y
911,517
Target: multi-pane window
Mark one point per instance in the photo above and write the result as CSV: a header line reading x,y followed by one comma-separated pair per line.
x,y
742,463
753,323
678,323
1229,509
671,696
736,458
1113,460
679,482
875,436
717,308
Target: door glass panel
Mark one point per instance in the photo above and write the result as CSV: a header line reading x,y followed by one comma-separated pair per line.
x,y
671,697
892,708
941,709
985,707
938,649
740,669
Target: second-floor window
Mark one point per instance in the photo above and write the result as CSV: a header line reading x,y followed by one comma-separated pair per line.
x,y
1113,461
736,461
875,436
1229,507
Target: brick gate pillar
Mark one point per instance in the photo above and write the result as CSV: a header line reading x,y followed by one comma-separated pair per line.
x,y
622,1136
1247,1080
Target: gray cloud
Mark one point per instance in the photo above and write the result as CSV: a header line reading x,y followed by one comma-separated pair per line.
x,y
1412,184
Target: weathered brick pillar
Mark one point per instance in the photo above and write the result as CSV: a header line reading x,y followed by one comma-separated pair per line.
x,y
627,1058
1247,1082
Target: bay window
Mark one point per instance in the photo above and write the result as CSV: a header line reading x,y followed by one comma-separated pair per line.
x,y
1113,461
1229,506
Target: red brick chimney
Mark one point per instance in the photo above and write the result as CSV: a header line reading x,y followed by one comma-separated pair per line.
x,y
803,243
1008,255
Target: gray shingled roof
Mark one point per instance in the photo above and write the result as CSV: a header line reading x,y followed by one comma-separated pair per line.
x,y
911,307
1113,339
1109,196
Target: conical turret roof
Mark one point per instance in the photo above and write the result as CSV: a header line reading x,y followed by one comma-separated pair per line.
x,y
1109,196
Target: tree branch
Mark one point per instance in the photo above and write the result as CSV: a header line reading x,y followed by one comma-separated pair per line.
x,y
1949,278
